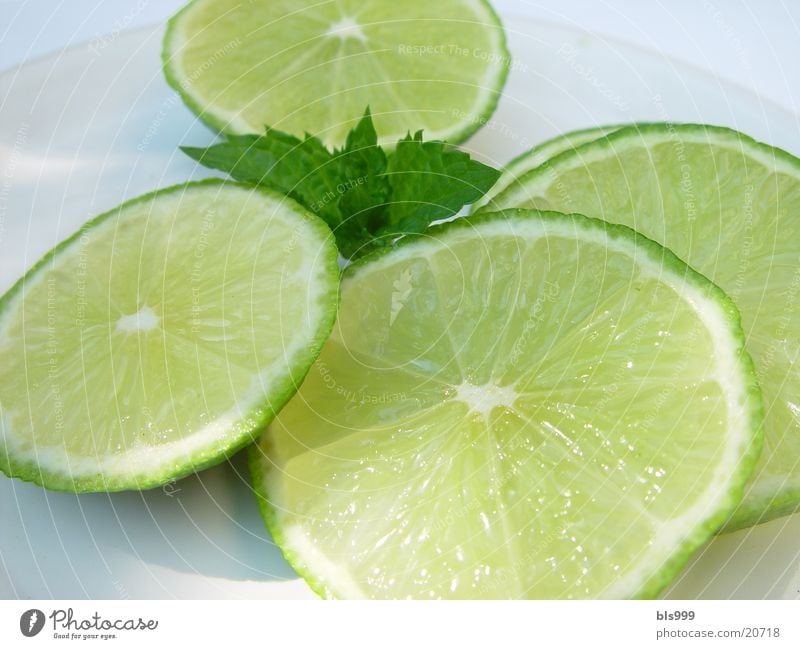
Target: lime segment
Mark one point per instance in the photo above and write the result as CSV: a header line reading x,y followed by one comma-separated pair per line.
x,y
730,207
518,405
315,66
160,337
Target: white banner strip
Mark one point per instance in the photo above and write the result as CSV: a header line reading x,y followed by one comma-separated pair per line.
x,y
386,625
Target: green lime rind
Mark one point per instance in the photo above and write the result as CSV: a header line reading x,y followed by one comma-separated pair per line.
x,y
779,493
259,454
550,148
477,121
620,134
244,431
537,156
257,460
209,119
460,132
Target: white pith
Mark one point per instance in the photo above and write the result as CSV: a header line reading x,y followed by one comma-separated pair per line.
x,y
483,399
145,319
347,27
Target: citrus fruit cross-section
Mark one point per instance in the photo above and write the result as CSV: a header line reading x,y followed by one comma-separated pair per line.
x,y
313,67
729,207
161,337
516,405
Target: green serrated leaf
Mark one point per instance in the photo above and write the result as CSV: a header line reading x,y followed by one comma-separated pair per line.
x,y
431,181
303,169
366,189
368,198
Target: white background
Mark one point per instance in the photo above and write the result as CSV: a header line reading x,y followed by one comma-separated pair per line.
x,y
755,44
519,624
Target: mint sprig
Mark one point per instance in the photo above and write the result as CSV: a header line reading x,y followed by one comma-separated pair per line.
x,y
369,197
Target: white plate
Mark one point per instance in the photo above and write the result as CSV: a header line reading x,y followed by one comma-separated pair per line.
x,y
88,128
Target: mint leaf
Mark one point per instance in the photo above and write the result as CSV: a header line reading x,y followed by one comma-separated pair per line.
x,y
367,196
431,181
303,169
366,190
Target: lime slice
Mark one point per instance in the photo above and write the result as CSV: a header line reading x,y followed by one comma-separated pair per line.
x,y
518,405
540,154
730,207
160,337
307,66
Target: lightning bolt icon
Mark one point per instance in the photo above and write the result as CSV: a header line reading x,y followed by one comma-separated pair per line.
x,y
32,620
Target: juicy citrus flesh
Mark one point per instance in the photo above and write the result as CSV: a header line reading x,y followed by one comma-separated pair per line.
x,y
161,336
522,406
538,155
730,207
314,66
